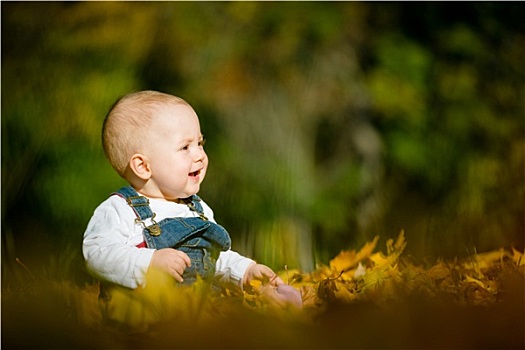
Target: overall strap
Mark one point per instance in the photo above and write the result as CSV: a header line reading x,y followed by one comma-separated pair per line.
x,y
138,203
194,204
140,206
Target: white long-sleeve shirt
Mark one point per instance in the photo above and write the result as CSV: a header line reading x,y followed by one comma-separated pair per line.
x,y
112,235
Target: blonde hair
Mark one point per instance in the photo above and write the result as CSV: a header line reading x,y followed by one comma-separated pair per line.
x,y
124,131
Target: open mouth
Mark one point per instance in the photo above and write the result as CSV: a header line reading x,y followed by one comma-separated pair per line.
x,y
195,173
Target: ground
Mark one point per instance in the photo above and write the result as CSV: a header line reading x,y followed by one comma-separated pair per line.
x,y
359,299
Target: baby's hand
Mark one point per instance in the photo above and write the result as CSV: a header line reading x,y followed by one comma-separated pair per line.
x,y
261,273
172,261
272,290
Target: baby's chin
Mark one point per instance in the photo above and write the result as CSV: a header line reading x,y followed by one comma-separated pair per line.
x,y
187,194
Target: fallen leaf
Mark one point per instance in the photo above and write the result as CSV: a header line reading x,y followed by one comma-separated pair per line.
x,y
517,257
349,258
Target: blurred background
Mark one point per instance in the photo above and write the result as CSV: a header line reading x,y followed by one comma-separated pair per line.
x,y
327,123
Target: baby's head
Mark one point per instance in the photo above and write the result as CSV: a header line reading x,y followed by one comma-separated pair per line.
x,y
153,140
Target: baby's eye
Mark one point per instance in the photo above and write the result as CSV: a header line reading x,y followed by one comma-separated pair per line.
x,y
202,142
185,148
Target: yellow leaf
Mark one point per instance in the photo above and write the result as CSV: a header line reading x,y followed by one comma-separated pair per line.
x,y
517,257
394,251
379,259
486,260
342,292
367,250
343,260
438,272
348,275
373,279
290,276
348,259
310,298
255,284
473,280
322,272
397,247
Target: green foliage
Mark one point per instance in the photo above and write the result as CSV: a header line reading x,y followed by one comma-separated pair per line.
x,y
324,120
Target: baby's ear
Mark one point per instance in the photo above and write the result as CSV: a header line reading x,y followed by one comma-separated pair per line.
x,y
139,164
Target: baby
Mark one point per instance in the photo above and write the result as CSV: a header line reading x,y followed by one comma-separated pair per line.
x,y
153,140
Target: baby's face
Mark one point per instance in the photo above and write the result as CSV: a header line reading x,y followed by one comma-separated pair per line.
x,y
176,154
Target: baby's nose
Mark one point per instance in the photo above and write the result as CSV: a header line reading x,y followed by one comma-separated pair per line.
x,y
199,155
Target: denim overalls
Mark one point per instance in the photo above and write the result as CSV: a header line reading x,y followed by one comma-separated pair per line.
x,y
201,239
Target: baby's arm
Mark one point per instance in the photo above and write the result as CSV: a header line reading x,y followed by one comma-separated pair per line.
x,y
109,245
172,261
